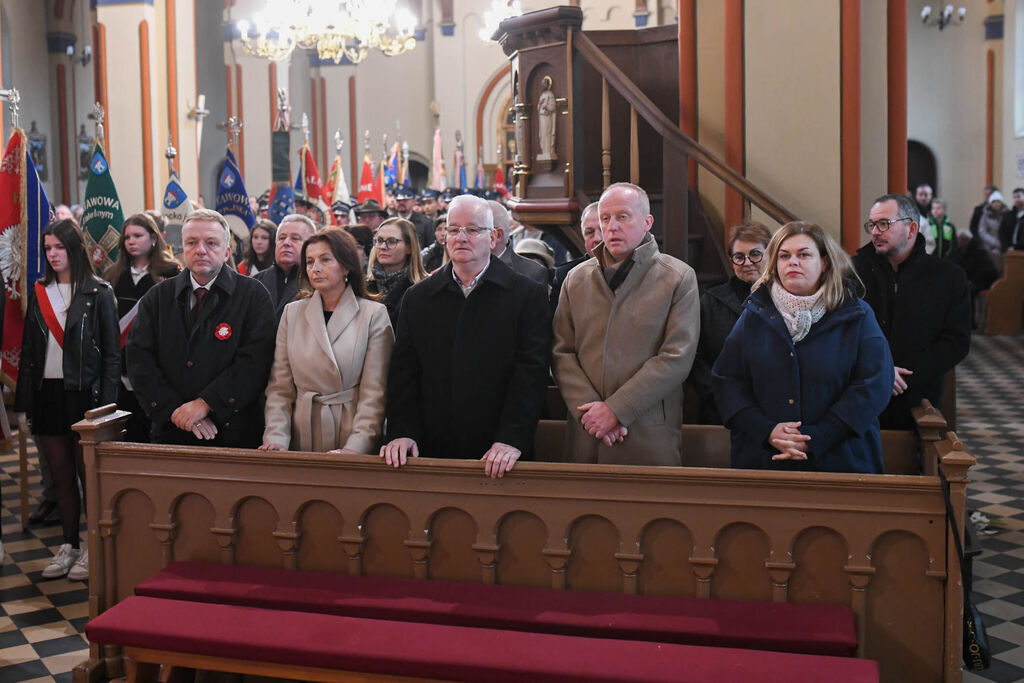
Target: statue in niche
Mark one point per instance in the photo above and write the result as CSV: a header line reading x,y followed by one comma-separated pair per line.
x,y
547,109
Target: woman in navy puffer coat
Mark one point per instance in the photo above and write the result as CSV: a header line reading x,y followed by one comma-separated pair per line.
x,y
806,371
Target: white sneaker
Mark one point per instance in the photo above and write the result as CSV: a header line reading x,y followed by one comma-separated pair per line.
x,y
80,570
61,563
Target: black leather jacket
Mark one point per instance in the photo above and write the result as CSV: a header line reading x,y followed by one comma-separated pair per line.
x,y
92,346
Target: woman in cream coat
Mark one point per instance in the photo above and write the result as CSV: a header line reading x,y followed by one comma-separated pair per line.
x,y
326,390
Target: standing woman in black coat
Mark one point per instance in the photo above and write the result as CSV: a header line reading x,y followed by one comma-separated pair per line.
x,y
70,363
142,261
721,306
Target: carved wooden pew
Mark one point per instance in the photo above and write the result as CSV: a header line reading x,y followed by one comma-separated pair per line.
x,y
875,543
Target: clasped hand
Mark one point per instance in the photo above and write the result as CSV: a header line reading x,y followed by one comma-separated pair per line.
x,y
600,422
194,417
791,444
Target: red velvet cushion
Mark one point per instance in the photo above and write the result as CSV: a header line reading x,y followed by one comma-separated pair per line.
x,y
782,627
438,651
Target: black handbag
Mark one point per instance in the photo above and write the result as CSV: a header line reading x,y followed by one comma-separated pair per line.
x,y
977,655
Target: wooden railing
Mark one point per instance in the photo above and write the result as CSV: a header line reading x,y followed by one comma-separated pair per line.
x,y
677,149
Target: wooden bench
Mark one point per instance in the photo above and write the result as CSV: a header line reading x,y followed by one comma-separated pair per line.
x,y
878,545
321,647
781,627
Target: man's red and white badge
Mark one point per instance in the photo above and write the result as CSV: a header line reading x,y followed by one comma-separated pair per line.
x,y
223,332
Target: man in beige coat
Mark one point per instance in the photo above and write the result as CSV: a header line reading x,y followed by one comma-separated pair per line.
x,y
626,331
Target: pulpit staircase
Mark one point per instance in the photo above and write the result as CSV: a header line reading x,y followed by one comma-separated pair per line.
x,y
618,95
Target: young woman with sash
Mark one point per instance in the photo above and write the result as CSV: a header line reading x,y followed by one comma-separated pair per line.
x,y
142,261
70,363
259,250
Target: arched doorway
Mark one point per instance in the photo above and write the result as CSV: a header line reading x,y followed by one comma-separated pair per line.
x,y
921,167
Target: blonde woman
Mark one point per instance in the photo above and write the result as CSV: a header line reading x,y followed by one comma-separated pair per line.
x,y
395,263
806,370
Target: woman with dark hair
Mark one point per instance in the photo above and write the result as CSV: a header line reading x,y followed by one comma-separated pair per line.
x,y
720,308
142,261
326,389
395,263
806,371
70,363
259,251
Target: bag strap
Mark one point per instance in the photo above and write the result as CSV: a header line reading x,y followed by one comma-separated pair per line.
x,y
951,520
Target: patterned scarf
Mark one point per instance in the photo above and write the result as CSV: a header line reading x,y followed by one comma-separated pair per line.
x,y
387,281
799,312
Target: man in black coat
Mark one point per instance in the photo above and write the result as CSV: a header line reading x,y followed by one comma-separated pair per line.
x,y
281,279
1011,228
503,250
921,303
590,227
469,370
200,349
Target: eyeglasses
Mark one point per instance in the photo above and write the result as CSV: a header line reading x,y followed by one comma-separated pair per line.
x,y
739,258
883,224
469,231
389,243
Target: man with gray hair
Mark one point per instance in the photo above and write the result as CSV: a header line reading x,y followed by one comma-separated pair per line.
x,y
626,331
503,246
469,369
590,229
281,279
200,349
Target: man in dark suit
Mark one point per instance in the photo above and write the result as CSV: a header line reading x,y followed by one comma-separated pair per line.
x,y
1011,228
469,370
503,246
405,199
590,226
200,349
281,279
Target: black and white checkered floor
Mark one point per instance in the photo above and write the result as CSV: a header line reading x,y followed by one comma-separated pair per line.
x,y
42,622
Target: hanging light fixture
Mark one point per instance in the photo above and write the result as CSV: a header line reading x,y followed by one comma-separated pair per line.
x,y
948,16
500,11
336,29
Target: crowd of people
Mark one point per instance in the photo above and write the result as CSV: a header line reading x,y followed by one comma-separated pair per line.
x,y
436,332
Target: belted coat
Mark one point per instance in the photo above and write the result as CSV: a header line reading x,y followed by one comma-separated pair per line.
x,y
327,384
835,381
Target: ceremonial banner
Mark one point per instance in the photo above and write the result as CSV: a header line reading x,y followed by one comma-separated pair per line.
x,y
336,188
392,174
24,213
308,182
102,215
460,167
380,187
480,180
233,204
499,181
175,209
366,184
438,177
282,202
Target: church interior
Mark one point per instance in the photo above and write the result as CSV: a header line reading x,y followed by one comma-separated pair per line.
x,y
724,110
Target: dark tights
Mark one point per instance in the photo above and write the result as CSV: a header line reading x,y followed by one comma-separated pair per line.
x,y
64,454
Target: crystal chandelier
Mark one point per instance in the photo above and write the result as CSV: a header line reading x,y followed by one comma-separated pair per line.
x,y
336,29
500,11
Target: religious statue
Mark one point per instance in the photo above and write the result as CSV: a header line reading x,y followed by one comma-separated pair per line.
x,y
547,109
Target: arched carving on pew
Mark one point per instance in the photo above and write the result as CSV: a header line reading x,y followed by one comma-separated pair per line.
x,y
195,518
135,511
819,555
593,542
318,521
743,550
255,521
453,533
666,546
894,594
385,531
523,546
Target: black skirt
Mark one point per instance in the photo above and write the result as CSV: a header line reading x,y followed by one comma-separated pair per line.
x,y
55,409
